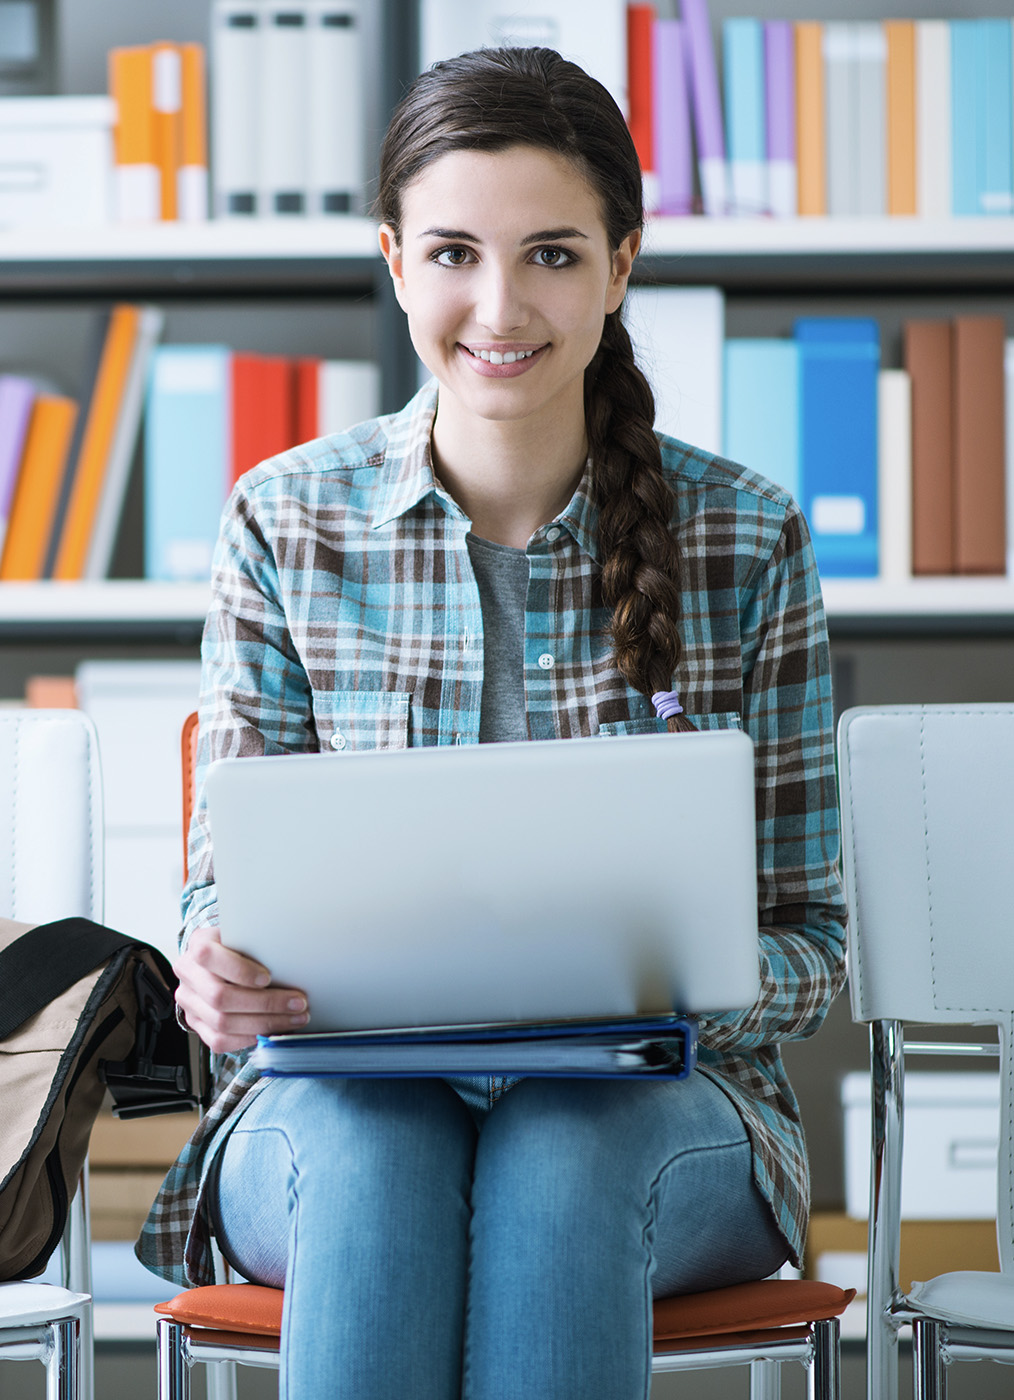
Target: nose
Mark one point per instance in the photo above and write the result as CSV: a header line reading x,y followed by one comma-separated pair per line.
x,y
500,306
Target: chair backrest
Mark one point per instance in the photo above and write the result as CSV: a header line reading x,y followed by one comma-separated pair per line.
x,y
50,816
927,796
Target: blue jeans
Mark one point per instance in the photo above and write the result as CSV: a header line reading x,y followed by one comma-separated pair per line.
x,y
438,1245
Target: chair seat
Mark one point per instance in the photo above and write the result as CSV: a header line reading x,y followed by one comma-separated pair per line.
x,y
744,1307
966,1298
33,1304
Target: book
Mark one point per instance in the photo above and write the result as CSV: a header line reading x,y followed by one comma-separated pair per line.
x,y
927,359
980,542
842,117
1008,363
869,83
262,410
641,21
838,367
673,142
677,334
137,182
166,104
811,119
653,1047
901,125
745,115
761,408
87,473
706,105
17,394
894,474
332,395
192,175
968,117
187,451
235,59
336,112
995,47
933,118
282,110
42,463
780,117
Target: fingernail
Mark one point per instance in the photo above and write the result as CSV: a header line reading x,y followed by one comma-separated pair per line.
x,y
300,1020
297,1003
262,979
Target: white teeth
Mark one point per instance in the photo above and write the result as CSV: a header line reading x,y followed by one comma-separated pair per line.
x,y
494,357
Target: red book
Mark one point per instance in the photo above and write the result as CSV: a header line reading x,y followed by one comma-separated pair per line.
x,y
307,399
263,410
640,96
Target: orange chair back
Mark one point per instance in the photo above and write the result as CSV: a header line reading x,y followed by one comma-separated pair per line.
x,y
189,756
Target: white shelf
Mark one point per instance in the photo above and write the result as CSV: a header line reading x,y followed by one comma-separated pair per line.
x,y
698,236
231,239
919,598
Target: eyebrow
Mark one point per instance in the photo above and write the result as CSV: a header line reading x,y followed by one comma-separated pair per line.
x,y
547,235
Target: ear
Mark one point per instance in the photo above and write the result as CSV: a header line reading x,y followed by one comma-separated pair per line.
x,y
623,261
392,256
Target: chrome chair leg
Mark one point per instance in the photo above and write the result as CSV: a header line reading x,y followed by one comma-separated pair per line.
x,y
221,1380
63,1364
929,1379
824,1378
173,1369
765,1380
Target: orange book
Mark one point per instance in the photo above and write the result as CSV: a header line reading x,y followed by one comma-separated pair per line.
x,y
51,693
38,487
192,188
640,23
137,191
901,157
166,106
89,470
811,137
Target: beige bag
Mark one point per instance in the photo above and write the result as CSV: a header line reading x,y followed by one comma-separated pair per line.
x,y
82,1009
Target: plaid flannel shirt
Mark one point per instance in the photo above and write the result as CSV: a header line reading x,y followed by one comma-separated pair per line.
x,y
345,607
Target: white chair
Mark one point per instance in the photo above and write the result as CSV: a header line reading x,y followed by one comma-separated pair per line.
x,y
51,842
927,796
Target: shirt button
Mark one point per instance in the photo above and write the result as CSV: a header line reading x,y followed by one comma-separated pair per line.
x,y
546,661
553,534
338,740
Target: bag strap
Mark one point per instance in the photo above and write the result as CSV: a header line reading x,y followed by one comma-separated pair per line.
x,y
40,965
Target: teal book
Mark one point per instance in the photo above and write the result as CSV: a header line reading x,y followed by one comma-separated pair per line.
x,y
839,360
187,454
997,195
761,428
745,114
968,116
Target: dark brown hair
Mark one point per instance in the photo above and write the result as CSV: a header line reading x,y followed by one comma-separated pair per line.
x,y
491,100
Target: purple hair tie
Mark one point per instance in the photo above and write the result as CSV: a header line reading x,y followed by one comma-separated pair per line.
x,y
667,704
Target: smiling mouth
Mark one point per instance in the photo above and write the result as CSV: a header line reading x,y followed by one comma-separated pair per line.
x,y
497,357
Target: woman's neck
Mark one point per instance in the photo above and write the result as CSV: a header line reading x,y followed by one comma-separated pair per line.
x,y
509,478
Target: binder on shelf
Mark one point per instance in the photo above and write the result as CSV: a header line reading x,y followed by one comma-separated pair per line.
x,y
187,449
641,92
17,395
980,543
42,465
678,334
780,116
997,196
706,106
927,360
901,123
933,117
894,474
336,135
192,176
761,393
839,364
662,1047
811,119
167,121
745,116
870,107
282,154
673,141
332,395
968,117
262,411
235,99
136,176
841,91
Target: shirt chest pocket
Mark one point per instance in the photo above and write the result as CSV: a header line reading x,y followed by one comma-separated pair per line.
x,y
651,724
364,719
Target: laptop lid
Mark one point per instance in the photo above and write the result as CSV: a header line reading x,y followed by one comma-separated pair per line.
x,y
497,882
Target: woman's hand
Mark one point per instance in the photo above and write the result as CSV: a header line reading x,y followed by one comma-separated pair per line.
x,y
226,998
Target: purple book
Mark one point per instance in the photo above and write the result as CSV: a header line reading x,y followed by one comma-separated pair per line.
x,y
780,86
673,151
16,398
706,103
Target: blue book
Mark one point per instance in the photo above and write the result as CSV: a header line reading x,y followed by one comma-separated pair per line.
x,y
761,429
997,194
839,360
968,116
187,456
745,114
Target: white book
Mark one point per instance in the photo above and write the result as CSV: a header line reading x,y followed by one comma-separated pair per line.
x,y
337,99
782,189
894,474
591,32
678,335
840,90
870,138
283,110
1008,366
348,392
933,118
235,98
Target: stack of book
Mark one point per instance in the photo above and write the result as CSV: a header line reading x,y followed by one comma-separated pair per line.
x,y
161,133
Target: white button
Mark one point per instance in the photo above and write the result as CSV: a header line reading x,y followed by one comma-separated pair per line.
x,y
546,661
553,534
338,740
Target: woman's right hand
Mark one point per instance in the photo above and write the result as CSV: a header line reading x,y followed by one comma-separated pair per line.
x,y
226,997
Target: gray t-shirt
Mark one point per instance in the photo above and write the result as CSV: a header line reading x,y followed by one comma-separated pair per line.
x,y
502,575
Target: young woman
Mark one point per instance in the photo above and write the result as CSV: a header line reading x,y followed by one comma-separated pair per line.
x,y
520,554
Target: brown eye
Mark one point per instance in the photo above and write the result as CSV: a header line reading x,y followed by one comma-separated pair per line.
x,y
452,257
553,257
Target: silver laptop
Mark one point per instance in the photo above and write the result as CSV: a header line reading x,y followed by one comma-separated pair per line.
x,y
498,882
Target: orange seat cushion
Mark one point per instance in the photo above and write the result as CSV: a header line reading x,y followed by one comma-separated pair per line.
x,y
248,1307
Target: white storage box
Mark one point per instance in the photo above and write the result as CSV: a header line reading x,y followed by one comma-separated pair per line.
x,y
56,161
951,1136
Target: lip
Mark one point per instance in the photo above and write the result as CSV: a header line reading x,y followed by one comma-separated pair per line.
x,y
491,371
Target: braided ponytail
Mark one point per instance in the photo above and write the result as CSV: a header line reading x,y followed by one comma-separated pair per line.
x,y
641,573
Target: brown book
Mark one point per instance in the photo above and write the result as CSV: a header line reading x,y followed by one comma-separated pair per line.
x,y
927,350
980,532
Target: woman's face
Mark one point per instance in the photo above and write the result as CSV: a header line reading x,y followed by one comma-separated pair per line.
x,y
506,275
